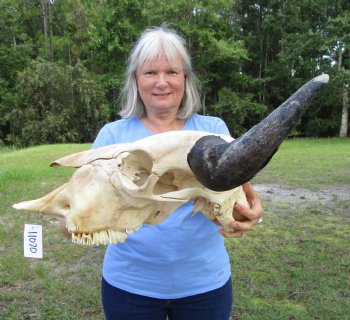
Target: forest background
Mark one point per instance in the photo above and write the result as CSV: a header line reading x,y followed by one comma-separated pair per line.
x,y
62,62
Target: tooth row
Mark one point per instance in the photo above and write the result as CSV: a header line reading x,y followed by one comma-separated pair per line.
x,y
102,237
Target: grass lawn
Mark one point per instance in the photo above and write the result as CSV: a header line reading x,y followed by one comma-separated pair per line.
x,y
295,265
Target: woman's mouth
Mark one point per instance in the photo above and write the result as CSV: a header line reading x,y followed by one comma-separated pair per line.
x,y
161,95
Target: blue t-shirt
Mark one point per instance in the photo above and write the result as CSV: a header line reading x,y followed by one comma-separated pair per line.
x,y
182,256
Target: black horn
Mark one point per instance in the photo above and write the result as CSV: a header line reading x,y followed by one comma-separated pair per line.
x,y
222,166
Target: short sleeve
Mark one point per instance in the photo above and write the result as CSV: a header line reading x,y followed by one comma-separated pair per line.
x,y
104,138
221,127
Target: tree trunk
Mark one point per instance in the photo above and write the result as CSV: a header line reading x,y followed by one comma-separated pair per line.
x,y
45,19
343,133
50,32
69,55
47,22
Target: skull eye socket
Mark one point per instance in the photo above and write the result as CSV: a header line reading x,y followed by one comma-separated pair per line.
x,y
136,166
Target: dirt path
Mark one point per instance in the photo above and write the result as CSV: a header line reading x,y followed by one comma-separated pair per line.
x,y
282,193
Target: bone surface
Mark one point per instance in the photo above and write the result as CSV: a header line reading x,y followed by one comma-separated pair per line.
x,y
118,188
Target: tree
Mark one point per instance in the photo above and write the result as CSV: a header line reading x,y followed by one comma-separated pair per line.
x,y
239,110
15,52
47,24
338,30
58,104
249,57
289,44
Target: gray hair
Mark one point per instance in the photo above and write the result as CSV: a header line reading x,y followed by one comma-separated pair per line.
x,y
152,42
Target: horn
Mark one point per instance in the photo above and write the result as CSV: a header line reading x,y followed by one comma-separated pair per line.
x,y
222,166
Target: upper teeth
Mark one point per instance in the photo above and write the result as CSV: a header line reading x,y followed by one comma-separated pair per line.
x,y
102,237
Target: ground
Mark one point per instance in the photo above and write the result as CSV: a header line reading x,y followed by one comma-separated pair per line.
x,y
298,196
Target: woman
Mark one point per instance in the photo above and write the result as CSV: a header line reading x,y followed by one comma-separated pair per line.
x,y
180,267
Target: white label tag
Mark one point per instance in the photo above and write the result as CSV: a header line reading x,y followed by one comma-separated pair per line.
x,y
33,241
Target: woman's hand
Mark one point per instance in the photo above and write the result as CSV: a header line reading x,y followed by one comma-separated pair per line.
x,y
251,214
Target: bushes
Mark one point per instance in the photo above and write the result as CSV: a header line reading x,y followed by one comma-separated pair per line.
x,y
57,104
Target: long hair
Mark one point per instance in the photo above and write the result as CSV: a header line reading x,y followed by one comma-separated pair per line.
x,y
152,43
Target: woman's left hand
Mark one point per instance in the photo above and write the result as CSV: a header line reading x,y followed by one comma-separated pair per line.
x,y
253,213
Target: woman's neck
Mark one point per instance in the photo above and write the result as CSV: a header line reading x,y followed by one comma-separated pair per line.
x,y
162,123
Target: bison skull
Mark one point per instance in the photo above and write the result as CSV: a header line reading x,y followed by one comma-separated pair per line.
x,y
118,188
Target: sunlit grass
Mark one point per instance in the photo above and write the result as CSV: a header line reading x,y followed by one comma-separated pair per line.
x,y
309,163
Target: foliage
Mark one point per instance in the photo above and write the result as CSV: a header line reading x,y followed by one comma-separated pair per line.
x,y
238,109
255,52
57,104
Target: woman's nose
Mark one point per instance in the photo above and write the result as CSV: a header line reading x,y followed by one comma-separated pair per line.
x,y
162,80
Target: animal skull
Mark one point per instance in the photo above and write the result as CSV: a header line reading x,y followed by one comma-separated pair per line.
x,y
118,188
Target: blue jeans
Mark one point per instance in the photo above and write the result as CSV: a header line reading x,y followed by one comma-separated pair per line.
x,y
122,305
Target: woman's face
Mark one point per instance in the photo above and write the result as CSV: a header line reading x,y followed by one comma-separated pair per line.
x,y
161,85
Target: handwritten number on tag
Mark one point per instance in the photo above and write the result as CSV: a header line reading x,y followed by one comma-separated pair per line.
x,y
33,241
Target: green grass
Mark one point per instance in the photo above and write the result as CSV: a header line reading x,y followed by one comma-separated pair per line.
x,y
309,163
295,265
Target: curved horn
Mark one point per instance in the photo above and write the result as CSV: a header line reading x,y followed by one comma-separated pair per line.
x,y
222,166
